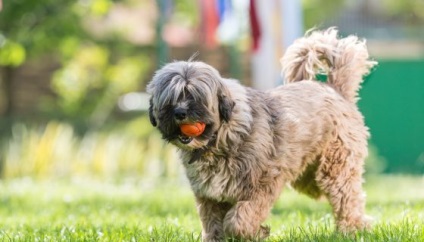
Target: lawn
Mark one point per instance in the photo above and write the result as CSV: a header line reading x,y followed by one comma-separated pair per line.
x,y
87,210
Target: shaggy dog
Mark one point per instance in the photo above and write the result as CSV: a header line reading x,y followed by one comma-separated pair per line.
x,y
306,133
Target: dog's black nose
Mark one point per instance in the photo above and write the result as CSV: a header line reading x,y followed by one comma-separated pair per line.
x,y
180,113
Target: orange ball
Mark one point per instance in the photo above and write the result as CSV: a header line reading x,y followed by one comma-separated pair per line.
x,y
193,129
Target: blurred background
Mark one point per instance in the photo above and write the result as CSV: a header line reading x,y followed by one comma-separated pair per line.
x,y
73,76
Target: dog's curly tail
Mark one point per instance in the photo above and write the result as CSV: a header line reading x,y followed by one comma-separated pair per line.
x,y
344,60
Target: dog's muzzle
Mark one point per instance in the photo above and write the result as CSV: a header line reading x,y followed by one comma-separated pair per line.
x,y
185,139
180,113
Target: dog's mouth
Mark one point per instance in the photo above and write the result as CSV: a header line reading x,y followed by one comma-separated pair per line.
x,y
185,139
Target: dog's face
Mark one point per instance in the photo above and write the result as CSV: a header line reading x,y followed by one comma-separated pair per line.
x,y
188,92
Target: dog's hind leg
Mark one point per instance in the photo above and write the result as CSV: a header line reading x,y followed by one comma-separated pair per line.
x,y
212,215
340,178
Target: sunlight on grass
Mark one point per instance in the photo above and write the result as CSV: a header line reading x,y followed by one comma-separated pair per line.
x,y
165,211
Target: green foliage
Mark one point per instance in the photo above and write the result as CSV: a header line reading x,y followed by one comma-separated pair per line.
x,y
186,12
139,210
95,7
90,81
317,11
39,26
11,54
81,74
55,151
95,71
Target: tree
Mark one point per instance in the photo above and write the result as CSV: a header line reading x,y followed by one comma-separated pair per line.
x,y
29,29
86,85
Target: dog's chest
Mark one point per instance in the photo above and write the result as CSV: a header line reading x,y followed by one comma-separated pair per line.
x,y
212,179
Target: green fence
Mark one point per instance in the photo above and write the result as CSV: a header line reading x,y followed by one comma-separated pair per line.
x,y
392,101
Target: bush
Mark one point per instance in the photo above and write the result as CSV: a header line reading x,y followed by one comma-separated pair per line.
x,y
56,151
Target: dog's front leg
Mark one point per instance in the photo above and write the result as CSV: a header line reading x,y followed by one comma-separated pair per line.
x,y
243,221
212,214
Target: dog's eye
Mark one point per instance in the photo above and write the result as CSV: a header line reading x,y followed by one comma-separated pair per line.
x,y
167,108
185,96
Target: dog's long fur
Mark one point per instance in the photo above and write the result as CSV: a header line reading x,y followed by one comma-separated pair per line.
x,y
306,133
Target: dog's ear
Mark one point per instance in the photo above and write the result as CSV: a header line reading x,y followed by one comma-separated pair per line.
x,y
226,106
152,118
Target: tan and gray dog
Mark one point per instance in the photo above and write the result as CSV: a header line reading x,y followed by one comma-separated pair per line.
x,y
306,133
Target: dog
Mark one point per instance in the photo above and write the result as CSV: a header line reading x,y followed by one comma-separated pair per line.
x,y
306,133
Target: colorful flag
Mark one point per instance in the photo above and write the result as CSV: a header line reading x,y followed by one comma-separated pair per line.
x,y
210,21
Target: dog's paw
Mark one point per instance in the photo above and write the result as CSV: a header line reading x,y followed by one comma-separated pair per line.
x,y
259,235
213,238
264,232
349,226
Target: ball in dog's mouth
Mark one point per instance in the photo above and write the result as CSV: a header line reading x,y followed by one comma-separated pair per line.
x,y
190,130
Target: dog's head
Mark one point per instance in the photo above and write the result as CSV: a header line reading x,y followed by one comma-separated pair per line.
x,y
188,92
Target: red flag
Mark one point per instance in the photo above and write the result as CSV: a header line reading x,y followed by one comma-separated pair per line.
x,y
254,25
210,22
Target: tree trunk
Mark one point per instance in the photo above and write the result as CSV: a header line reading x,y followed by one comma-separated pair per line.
x,y
7,92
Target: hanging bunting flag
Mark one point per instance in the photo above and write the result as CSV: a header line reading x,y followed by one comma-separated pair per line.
x,y
254,25
229,29
224,8
210,21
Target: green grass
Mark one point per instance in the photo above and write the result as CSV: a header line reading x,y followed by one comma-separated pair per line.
x,y
145,211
